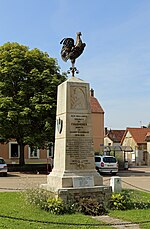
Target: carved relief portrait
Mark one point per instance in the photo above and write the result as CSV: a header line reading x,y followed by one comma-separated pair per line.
x,y
78,98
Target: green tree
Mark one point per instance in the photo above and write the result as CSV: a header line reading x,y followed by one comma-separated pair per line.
x,y
148,126
28,93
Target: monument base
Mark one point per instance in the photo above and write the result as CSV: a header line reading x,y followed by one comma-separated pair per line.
x,y
102,194
71,186
73,179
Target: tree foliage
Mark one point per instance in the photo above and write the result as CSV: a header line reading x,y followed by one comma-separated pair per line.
x,y
28,93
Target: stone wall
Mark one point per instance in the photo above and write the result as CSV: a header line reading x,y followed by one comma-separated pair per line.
x,y
101,194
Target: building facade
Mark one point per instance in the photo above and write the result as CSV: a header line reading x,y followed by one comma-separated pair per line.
x,y
136,139
97,113
11,153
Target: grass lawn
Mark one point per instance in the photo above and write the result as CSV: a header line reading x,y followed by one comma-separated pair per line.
x,y
12,204
137,215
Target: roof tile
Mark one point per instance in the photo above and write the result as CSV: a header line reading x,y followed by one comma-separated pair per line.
x,y
138,134
116,135
95,106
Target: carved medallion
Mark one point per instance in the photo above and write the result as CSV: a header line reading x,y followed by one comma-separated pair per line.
x,y
59,125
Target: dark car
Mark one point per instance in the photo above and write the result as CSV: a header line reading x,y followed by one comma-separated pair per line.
x,y
3,167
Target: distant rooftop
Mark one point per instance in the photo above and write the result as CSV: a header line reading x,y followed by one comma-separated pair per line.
x,y
114,135
138,134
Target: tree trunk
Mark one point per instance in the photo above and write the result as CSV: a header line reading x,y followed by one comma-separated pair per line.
x,y
21,159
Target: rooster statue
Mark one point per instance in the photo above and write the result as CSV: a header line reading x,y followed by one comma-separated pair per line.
x,y
71,51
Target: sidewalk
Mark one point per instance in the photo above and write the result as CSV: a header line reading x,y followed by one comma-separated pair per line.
x,y
145,169
111,220
137,169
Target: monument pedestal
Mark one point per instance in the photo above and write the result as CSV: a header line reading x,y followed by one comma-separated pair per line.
x,y
74,166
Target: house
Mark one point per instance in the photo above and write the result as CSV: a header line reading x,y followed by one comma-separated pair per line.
x,y
112,144
97,122
148,146
11,150
136,138
113,137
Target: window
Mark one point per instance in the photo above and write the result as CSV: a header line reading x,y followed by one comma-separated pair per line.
x,y
97,159
145,156
109,159
133,156
2,161
33,153
50,151
142,146
14,150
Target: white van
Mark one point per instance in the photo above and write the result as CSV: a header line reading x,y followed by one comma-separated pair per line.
x,y
106,164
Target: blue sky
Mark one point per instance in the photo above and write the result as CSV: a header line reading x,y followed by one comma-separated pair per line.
x,y
116,60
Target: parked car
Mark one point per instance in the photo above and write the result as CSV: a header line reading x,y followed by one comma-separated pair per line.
x,y
3,167
106,164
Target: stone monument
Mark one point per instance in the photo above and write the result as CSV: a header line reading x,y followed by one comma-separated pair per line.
x,y
74,174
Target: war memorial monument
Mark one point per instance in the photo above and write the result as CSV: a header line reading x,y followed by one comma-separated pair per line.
x,y
74,175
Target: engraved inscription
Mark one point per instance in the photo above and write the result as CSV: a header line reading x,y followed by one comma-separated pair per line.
x,y
86,181
80,163
79,126
80,152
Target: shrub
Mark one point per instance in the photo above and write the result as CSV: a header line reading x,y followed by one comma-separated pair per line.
x,y
120,201
90,206
126,200
56,206
48,201
38,197
138,201
140,205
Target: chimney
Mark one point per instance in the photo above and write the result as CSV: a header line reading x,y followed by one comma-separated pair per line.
x,y
92,92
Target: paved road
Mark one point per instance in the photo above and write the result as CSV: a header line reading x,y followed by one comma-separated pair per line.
x,y
133,178
21,181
